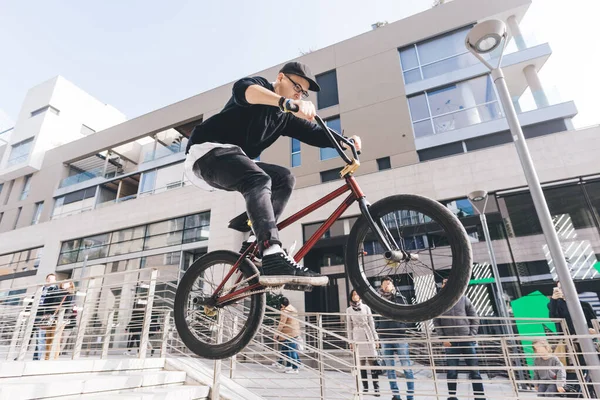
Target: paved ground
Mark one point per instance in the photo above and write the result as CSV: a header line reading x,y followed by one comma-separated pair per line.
x,y
272,383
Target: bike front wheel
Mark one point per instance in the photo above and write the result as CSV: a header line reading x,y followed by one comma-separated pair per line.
x,y
437,247
212,330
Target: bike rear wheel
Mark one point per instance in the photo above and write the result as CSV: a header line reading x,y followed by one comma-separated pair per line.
x,y
438,245
217,331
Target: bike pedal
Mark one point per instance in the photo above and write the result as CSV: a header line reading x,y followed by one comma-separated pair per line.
x,y
301,288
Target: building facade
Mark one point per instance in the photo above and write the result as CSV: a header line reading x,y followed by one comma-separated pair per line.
x,y
431,123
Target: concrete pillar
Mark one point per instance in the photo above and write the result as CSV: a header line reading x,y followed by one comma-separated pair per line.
x,y
533,81
516,32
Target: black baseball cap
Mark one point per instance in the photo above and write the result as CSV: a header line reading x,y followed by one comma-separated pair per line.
x,y
302,70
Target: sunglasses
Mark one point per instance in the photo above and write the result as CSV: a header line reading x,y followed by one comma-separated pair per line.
x,y
297,87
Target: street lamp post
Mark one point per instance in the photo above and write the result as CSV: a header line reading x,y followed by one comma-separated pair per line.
x,y
484,38
479,199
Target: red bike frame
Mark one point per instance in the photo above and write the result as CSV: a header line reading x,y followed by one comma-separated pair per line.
x,y
355,194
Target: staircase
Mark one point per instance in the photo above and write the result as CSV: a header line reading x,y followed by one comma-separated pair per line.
x,y
97,379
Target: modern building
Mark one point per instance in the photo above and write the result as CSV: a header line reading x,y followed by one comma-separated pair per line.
x,y
110,195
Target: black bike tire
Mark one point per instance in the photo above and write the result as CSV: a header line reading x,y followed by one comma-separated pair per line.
x,y
460,273
247,331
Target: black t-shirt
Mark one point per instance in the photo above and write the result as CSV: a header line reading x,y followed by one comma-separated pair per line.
x,y
254,127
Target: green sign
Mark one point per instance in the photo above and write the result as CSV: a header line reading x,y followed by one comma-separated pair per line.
x,y
534,305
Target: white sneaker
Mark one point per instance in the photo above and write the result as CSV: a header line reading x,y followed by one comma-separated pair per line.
x,y
276,365
291,371
129,353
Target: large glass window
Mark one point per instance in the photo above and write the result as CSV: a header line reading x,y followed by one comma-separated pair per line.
x,y
328,96
436,56
454,106
329,152
20,262
176,231
573,221
20,152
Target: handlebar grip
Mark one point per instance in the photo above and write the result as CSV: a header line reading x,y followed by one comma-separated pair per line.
x,y
292,107
353,142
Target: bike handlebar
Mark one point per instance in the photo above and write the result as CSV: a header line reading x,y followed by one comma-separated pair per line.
x,y
334,137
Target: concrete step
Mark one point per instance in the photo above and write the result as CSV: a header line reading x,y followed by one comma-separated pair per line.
x,y
181,392
44,387
31,368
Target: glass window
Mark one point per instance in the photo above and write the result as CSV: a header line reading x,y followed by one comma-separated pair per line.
x,y
96,240
330,152
443,46
26,187
164,240
411,76
20,152
93,253
593,191
17,217
423,128
436,56
37,213
202,219
171,225
195,234
455,106
148,181
21,261
129,246
450,64
330,175
465,94
296,159
128,234
566,200
418,107
9,191
383,163
77,196
328,96
461,207
408,58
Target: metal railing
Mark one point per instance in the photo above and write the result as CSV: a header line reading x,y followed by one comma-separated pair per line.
x,y
130,313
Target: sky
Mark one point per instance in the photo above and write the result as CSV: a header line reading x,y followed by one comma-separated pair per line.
x,y
141,55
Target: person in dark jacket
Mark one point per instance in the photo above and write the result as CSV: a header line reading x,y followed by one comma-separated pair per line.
x,y
47,308
557,308
134,328
390,331
454,327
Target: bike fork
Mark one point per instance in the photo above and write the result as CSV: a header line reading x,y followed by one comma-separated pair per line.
x,y
393,252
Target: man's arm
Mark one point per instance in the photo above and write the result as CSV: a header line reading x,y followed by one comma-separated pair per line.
x,y
438,326
282,323
256,90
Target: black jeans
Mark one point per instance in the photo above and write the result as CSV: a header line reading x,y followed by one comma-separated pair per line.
x,y
265,187
467,350
134,340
